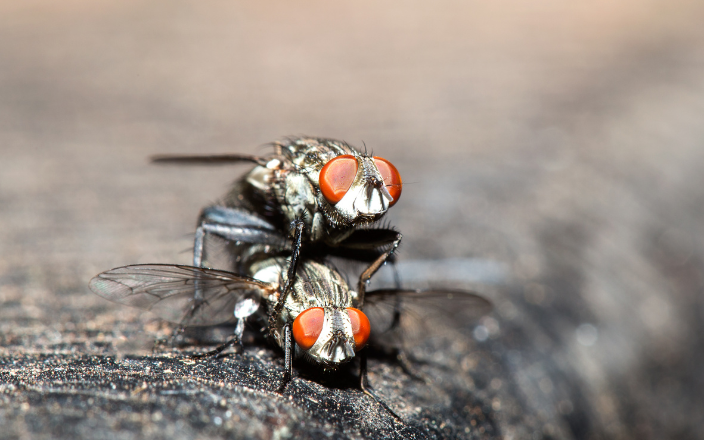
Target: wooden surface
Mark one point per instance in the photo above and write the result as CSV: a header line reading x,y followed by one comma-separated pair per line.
x,y
558,142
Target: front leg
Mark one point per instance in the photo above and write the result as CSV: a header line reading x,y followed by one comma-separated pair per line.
x,y
288,358
290,276
371,270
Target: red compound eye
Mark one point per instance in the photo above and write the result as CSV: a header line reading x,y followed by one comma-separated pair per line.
x,y
360,327
392,178
307,327
337,176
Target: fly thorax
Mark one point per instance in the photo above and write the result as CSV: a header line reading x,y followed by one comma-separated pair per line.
x,y
367,196
335,344
270,271
297,197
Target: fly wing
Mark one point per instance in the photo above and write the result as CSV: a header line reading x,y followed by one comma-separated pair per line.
x,y
216,159
180,294
405,316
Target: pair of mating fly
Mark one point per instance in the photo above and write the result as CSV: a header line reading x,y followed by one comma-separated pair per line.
x,y
311,199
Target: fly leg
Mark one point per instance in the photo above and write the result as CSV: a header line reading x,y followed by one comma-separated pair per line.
x,y
198,247
401,357
178,331
371,270
278,308
290,275
364,384
244,308
235,340
288,358
233,224
219,349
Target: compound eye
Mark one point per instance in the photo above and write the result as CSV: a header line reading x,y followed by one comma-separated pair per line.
x,y
360,327
307,327
392,178
337,176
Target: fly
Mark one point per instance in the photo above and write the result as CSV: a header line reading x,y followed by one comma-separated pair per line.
x,y
337,191
310,309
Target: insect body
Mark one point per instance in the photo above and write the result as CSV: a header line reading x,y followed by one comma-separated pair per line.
x,y
310,309
328,191
319,311
333,188
309,303
329,184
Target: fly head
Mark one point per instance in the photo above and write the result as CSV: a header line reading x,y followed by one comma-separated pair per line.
x,y
331,335
331,186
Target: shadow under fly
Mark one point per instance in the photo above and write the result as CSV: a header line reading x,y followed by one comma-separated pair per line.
x,y
310,310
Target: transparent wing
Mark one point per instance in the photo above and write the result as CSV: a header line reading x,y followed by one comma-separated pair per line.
x,y
402,316
181,294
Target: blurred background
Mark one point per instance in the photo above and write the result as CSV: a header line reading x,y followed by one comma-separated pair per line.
x,y
561,140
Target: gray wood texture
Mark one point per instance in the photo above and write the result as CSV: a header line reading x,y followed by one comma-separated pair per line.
x,y
558,142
